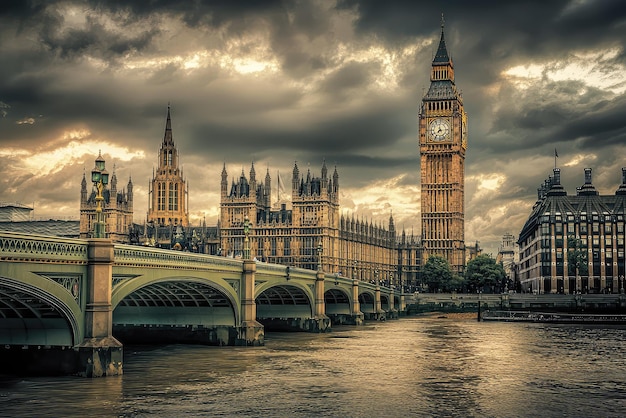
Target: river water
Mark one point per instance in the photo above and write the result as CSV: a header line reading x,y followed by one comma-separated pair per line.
x,y
412,367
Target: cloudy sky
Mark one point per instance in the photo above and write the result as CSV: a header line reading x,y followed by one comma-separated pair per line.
x,y
276,82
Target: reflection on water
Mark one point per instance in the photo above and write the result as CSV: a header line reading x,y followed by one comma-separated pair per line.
x,y
410,367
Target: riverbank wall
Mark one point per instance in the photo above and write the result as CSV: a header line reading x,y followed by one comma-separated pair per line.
x,y
462,302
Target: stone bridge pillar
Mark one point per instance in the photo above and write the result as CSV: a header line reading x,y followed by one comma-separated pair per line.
x,y
356,306
320,322
320,305
99,354
380,314
251,331
393,312
402,307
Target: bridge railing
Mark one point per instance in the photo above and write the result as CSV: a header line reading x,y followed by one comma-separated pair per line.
x,y
42,248
132,255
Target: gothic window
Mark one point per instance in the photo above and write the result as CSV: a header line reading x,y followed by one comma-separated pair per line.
x,y
169,157
161,196
173,196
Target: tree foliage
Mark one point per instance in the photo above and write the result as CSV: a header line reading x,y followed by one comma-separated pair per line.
x,y
576,257
484,274
438,275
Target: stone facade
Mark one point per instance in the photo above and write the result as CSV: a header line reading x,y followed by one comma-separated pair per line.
x,y
311,233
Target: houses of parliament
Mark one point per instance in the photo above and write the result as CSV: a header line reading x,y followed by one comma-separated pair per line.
x,y
310,231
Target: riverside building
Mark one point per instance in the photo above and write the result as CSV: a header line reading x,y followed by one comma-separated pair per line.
x,y
574,243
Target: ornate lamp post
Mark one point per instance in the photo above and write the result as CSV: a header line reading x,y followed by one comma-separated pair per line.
x,y
100,178
246,240
319,256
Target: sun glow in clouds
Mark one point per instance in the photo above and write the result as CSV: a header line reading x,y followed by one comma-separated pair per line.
x,y
76,151
587,67
487,184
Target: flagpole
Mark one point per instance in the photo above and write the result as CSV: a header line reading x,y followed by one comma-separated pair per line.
x,y
555,157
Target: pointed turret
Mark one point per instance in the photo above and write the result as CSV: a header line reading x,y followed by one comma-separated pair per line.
x,y
224,183
167,138
129,187
83,189
442,57
295,180
113,182
335,181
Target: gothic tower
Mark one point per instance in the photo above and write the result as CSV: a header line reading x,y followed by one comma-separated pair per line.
x,y
168,195
443,141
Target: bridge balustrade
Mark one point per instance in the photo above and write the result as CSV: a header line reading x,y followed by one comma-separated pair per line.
x,y
84,281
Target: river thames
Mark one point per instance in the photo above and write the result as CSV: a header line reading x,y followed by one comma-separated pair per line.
x,y
412,367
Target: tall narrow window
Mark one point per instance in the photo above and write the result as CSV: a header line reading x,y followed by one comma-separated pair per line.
x,y
161,196
170,197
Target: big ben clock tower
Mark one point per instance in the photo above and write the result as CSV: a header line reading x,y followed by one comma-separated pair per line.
x,y
443,140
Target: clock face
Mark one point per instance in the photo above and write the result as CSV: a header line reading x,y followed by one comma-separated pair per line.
x,y
439,130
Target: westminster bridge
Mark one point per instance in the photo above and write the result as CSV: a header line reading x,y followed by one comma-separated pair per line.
x,y
72,301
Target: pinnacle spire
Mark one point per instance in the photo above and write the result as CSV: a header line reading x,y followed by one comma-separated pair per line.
x,y
441,57
167,138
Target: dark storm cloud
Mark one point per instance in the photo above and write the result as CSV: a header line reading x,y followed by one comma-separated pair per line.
x,y
320,103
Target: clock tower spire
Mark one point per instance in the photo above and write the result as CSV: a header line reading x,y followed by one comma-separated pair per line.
x,y
442,142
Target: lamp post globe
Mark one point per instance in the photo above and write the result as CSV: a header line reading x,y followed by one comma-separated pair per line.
x,y
100,178
319,256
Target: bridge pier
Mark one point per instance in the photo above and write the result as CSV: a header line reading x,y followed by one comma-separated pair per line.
x,y
251,332
380,314
357,315
320,322
99,354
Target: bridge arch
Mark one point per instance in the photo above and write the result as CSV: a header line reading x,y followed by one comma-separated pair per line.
x,y
40,312
175,301
384,301
338,301
284,300
367,301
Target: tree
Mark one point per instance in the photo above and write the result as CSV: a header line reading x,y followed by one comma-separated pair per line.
x,y
437,274
576,258
484,274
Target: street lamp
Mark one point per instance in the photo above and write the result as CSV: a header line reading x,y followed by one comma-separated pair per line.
x,y
100,178
246,240
319,256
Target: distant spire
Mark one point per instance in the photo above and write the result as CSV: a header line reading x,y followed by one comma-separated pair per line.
x,y
167,138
